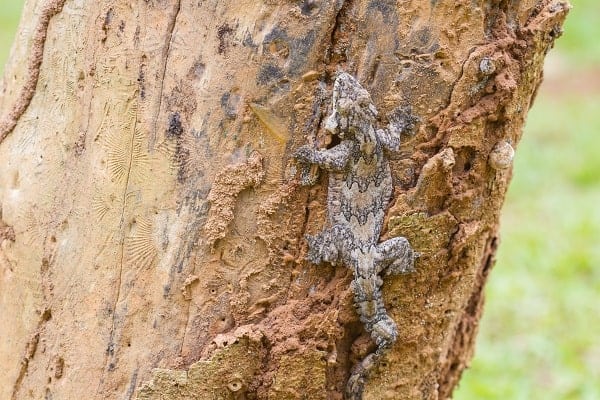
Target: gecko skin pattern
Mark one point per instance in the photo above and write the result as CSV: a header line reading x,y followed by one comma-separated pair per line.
x,y
360,187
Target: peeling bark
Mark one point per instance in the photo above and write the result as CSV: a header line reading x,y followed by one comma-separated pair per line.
x,y
152,228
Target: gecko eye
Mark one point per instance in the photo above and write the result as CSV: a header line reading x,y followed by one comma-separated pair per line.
x,y
363,98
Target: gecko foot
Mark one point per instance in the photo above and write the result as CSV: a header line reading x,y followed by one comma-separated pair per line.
x,y
396,256
358,376
403,120
384,332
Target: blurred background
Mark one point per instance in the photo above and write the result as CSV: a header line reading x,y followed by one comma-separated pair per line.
x,y
540,334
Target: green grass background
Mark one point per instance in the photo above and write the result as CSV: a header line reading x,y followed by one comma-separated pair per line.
x,y
10,11
540,333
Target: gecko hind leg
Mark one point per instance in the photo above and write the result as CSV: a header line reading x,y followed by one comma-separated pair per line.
x,y
395,256
328,245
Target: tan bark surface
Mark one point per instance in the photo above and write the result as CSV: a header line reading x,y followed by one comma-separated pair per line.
x,y
151,232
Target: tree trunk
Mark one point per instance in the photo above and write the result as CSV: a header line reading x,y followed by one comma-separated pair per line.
x,y
152,225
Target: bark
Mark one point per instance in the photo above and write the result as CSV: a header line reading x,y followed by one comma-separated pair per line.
x,y
152,230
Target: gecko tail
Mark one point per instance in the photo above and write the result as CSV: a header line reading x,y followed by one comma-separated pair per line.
x,y
369,305
381,327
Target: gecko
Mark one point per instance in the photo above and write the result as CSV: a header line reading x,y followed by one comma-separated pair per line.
x,y
359,191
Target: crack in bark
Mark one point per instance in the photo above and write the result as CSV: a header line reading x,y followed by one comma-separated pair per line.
x,y
192,261
187,323
464,335
9,121
90,85
30,351
165,57
46,288
111,346
343,5
435,142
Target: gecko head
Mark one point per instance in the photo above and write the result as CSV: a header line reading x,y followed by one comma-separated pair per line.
x,y
352,107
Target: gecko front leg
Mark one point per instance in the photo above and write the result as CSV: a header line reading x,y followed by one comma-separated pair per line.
x,y
334,159
401,121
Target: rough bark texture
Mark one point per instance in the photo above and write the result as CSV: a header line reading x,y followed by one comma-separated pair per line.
x,y
151,228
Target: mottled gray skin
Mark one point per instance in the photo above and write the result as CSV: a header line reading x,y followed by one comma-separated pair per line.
x,y
359,191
